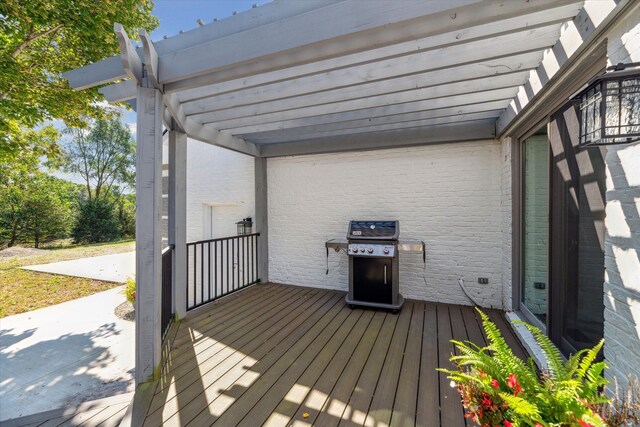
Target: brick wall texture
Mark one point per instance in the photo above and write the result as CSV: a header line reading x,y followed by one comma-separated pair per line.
x,y
622,242
448,195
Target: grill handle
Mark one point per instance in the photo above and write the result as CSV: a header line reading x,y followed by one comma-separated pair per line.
x,y
385,274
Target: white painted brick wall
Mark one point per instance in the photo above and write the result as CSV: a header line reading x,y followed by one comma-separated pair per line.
x,y
622,242
220,178
448,195
507,221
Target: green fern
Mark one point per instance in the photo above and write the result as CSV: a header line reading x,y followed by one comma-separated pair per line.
x,y
555,363
588,359
565,392
521,407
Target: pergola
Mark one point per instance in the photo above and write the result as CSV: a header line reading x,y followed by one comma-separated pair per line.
x,y
320,76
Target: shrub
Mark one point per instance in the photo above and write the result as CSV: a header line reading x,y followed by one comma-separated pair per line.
x,y
499,389
126,208
96,222
624,408
130,290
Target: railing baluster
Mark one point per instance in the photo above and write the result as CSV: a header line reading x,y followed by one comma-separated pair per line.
x,y
255,264
227,265
215,270
187,282
209,268
231,265
195,274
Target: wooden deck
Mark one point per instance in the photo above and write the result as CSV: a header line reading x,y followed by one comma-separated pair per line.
x,y
290,356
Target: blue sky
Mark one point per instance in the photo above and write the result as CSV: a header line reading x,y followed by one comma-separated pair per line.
x,y
181,15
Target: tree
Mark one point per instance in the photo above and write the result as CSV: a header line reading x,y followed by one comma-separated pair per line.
x,y
126,210
48,209
40,39
35,207
96,222
104,156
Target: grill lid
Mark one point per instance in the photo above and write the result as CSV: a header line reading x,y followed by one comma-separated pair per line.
x,y
373,230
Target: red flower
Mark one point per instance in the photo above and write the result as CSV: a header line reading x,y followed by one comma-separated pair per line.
x,y
487,402
585,424
507,423
495,383
514,384
539,425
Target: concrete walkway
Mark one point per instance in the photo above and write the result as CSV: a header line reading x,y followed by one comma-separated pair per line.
x,y
65,354
109,268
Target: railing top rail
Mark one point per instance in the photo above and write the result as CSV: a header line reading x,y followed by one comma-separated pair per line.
x,y
167,249
219,239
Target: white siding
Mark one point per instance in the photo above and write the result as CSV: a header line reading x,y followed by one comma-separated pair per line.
x,y
622,244
448,195
220,179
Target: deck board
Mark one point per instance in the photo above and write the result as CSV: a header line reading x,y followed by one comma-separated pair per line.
x,y
277,355
385,392
406,400
428,410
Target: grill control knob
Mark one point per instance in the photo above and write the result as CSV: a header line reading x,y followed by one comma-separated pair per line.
x,y
370,250
385,250
362,249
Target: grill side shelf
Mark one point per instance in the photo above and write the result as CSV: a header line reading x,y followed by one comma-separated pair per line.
x,y
404,246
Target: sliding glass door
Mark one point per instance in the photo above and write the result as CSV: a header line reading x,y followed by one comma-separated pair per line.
x,y
576,257
535,228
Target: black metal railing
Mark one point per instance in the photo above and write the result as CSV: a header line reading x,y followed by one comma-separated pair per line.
x,y
167,289
219,267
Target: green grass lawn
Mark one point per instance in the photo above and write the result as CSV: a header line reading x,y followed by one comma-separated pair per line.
x,y
24,290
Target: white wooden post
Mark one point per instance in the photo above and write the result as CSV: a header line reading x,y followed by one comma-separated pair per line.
x,y
148,232
178,219
262,218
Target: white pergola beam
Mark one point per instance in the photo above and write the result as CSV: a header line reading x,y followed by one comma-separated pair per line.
x,y
291,112
131,62
307,37
515,15
120,92
110,69
472,131
589,22
101,72
379,121
185,124
458,118
530,40
415,27
150,59
283,120
518,63
205,133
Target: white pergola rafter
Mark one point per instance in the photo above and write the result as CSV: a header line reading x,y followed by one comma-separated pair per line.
x,y
397,59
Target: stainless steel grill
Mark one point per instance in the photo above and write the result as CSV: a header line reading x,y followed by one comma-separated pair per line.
x,y
373,264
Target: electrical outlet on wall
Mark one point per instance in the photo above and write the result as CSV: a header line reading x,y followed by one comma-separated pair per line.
x,y
539,285
483,280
